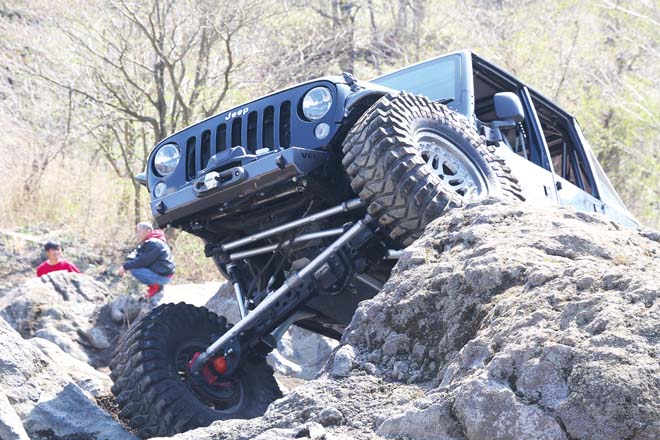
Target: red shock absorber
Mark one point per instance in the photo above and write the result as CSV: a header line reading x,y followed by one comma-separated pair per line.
x,y
219,364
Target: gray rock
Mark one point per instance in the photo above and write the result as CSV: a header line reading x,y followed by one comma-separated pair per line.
x,y
370,368
124,309
330,416
650,234
301,353
539,276
223,303
435,422
542,382
97,338
396,343
70,414
490,409
45,397
316,431
11,427
279,434
312,431
86,377
68,309
343,361
585,282
49,331
26,374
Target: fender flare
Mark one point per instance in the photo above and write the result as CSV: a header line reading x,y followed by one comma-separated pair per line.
x,y
355,105
368,95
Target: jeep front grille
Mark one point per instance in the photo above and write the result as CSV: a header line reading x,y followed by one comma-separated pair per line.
x,y
270,128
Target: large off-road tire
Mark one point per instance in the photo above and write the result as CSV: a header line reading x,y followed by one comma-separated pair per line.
x,y
410,159
153,389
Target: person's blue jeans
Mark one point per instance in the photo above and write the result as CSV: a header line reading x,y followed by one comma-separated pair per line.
x,y
149,277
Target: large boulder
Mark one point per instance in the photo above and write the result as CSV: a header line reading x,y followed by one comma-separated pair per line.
x,y
502,321
91,380
67,309
301,353
44,397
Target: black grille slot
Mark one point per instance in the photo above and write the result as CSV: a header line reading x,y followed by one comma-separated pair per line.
x,y
236,128
205,149
285,124
221,138
191,171
269,118
252,132
270,129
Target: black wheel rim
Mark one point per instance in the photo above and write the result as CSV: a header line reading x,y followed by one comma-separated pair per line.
x,y
226,396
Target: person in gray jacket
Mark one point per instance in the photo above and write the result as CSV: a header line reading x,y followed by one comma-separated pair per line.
x,y
151,263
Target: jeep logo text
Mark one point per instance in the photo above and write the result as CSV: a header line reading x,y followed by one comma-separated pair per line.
x,y
240,112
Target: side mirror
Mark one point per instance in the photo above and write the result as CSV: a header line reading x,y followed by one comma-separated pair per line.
x,y
141,178
508,107
508,111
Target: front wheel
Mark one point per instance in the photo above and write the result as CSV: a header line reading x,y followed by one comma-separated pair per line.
x,y
154,389
410,159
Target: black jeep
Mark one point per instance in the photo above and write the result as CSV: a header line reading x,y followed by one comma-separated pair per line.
x,y
304,199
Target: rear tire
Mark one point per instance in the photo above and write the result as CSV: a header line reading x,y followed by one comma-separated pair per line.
x,y
410,160
152,389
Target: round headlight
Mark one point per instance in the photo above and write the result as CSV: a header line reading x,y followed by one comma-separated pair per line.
x,y
166,160
316,103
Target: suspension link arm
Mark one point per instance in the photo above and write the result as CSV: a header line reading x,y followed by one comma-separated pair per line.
x,y
238,291
304,221
291,283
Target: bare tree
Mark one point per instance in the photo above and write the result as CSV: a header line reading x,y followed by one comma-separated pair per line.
x,y
27,109
396,32
341,14
344,35
118,76
151,67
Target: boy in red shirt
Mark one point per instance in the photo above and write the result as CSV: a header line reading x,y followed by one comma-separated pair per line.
x,y
55,261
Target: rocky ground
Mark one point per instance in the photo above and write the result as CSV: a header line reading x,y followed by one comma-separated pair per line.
x,y
501,322
57,336
72,311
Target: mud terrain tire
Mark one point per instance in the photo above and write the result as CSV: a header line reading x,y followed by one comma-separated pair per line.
x,y
385,164
157,399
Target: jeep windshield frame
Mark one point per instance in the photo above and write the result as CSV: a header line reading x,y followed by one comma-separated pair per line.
x,y
439,79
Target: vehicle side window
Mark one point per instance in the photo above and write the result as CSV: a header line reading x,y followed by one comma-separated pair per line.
x,y
517,138
566,155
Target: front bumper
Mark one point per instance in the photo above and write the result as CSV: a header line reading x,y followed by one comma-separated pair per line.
x,y
219,185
